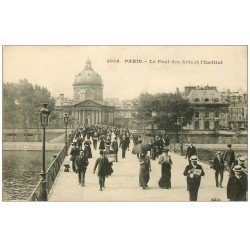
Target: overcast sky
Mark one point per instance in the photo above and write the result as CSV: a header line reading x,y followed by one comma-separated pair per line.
x,y
56,66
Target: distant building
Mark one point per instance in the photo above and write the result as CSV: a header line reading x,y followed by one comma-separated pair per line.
x,y
210,109
87,106
237,114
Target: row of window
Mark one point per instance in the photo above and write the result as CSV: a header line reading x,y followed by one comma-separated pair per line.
x,y
216,115
206,114
206,100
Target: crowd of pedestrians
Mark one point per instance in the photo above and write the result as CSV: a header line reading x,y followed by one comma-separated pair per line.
x,y
108,140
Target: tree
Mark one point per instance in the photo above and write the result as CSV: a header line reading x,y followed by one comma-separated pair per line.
x,y
22,102
169,109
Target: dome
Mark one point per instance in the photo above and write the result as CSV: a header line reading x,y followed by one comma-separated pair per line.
x,y
88,75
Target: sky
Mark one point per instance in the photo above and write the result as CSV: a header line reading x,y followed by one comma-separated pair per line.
x,y
56,66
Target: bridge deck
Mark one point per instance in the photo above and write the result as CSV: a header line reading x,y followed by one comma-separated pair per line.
x,y
123,184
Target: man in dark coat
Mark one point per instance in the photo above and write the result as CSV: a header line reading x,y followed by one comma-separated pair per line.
x,y
79,143
115,148
191,150
123,145
229,158
218,165
166,141
75,151
193,172
81,164
237,185
102,163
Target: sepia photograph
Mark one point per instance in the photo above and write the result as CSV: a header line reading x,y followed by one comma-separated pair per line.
x,y
125,123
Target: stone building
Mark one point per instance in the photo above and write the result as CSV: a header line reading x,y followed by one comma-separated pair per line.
x,y
210,109
87,106
237,113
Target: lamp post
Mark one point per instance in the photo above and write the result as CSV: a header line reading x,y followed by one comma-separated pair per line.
x,y
153,114
180,122
44,120
66,119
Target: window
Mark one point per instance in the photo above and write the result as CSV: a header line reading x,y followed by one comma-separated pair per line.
x,y
216,113
216,124
240,118
216,100
197,125
206,114
196,114
206,100
206,125
196,100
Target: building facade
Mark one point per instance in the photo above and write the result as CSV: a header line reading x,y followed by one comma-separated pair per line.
x,y
210,109
238,109
87,106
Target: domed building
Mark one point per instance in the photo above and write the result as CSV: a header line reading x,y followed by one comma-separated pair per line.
x,y
88,85
87,106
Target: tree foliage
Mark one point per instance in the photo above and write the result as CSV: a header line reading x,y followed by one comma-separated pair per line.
x,y
169,110
22,102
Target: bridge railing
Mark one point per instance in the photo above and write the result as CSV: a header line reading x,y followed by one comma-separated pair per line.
x,y
204,155
51,172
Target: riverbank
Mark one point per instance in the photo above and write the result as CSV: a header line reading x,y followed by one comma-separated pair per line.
x,y
30,146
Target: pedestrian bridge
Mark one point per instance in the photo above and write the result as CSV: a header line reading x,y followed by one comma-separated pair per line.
x,y
123,185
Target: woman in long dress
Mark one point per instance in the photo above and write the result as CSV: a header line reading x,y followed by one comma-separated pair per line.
x,y
166,162
145,168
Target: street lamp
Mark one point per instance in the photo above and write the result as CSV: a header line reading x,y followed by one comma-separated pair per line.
x,y
153,114
180,122
44,120
66,119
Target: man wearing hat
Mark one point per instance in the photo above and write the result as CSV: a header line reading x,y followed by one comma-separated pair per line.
x,y
237,185
75,151
229,158
191,150
81,164
193,172
115,148
242,162
218,165
102,163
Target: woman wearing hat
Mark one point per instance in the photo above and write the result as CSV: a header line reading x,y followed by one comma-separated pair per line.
x,y
145,168
166,162
237,185
193,172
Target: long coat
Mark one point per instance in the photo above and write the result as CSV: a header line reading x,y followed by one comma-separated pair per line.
x,y
74,153
81,162
191,151
237,188
218,164
102,165
193,183
229,156
115,147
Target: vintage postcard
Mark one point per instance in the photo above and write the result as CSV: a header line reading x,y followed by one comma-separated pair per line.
x,y
125,123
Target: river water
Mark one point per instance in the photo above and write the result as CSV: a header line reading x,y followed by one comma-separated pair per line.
x,y
21,171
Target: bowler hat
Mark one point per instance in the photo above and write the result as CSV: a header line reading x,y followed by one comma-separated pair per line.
x,y
218,152
229,145
237,168
193,158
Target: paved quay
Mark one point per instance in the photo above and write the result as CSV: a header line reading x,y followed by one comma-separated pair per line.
x,y
123,185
